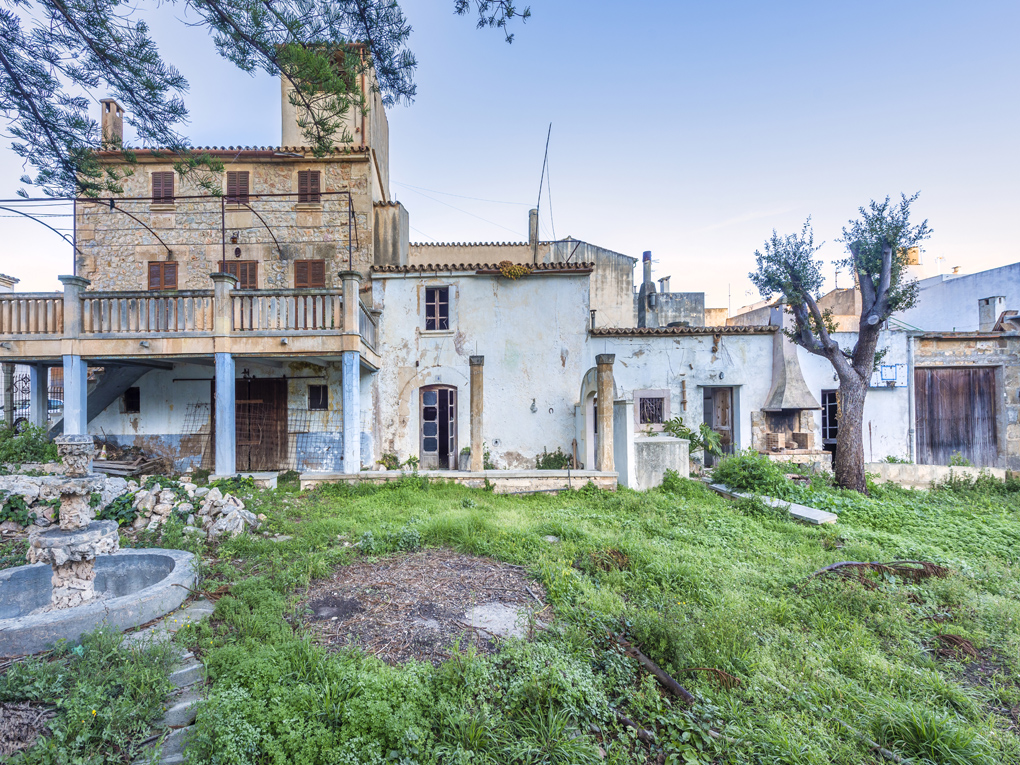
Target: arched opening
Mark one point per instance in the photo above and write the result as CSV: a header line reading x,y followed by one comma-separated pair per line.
x,y
438,429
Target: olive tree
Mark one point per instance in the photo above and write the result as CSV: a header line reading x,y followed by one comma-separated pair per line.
x,y
876,253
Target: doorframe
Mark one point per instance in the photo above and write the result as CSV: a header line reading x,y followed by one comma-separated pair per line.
x,y
455,454
735,412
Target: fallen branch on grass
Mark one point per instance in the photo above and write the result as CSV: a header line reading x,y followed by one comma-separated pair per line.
x,y
660,674
644,735
915,570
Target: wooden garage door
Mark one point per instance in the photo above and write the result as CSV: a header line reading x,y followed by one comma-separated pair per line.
x,y
955,415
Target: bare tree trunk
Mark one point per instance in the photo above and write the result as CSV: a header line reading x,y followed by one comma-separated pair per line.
x,y
849,460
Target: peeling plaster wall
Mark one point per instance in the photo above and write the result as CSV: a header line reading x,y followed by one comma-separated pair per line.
x,y
742,361
886,409
531,332
115,250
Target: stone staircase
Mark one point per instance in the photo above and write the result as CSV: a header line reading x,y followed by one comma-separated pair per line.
x,y
187,678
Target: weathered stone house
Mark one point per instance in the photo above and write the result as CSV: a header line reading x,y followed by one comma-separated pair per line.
x,y
288,323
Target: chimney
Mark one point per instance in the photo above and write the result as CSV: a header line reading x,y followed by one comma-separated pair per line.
x,y
646,262
112,123
664,285
533,226
647,315
989,310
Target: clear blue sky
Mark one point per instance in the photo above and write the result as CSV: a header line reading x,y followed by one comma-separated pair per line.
x,y
687,128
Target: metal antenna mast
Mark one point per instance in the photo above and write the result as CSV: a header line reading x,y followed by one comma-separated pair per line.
x,y
541,181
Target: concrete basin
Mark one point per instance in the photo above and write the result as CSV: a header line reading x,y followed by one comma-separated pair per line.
x,y
135,586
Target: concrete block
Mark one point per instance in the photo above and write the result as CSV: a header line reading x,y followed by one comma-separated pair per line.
x,y
654,455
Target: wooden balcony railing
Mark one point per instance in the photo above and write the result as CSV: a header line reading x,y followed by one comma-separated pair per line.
x,y
189,311
32,313
287,310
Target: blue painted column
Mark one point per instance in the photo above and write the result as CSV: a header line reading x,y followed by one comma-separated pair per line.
x,y
226,447
350,369
38,395
76,382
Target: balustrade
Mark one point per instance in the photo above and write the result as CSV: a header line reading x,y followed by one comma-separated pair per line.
x,y
32,313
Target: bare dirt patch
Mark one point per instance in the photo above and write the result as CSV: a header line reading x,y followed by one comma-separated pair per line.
x,y
21,724
418,605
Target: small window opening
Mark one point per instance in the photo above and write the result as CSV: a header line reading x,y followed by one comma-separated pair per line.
x,y
437,308
318,397
652,410
309,187
132,401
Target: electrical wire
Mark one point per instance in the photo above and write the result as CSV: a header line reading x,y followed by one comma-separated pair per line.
x,y
459,196
491,223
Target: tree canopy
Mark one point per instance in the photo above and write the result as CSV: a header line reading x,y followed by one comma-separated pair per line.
x,y
877,245
57,57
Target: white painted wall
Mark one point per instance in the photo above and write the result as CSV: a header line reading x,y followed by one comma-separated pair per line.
x,y
949,303
886,409
743,362
532,334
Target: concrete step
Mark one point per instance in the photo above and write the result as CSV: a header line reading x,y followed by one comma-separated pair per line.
x,y
174,745
167,627
183,705
188,674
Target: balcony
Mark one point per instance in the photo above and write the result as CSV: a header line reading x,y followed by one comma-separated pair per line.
x,y
186,323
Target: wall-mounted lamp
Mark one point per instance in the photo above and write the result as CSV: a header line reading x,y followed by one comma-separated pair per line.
x,y
234,237
5,346
285,341
534,406
144,343
722,375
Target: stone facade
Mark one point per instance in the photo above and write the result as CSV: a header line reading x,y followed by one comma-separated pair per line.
x,y
116,250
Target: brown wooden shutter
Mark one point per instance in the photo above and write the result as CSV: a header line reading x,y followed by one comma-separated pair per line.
x,y
163,187
237,186
155,282
169,276
317,273
302,185
301,273
313,186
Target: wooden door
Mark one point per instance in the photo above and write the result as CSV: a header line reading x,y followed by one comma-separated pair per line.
x,y
260,423
438,433
955,411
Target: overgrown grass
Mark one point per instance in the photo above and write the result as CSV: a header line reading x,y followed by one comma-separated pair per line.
x,y
694,580
105,695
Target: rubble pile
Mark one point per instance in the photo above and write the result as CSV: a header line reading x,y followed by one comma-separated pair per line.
x,y
41,494
206,512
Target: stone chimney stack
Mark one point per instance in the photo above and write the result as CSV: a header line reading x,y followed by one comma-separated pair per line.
x,y
646,262
989,310
647,314
533,227
112,123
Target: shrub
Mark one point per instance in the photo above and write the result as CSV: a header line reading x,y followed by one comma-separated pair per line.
x,y
754,472
557,460
14,508
121,510
30,445
389,461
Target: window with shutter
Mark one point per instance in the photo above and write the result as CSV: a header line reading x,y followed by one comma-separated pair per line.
x,y
246,271
309,273
163,188
237,186
162,276
309,187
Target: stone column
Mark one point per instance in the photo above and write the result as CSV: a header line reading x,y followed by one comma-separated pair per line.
x,y
76,418
73,287
477,394
76,407
350,369
352,312
223,312
39,395
8,377
226,446
604,411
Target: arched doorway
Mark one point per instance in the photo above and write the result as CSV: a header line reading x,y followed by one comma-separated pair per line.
x,y
438,428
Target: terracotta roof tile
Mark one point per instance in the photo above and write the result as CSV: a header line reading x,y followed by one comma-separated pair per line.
x,y
492,268
473,244
750,329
